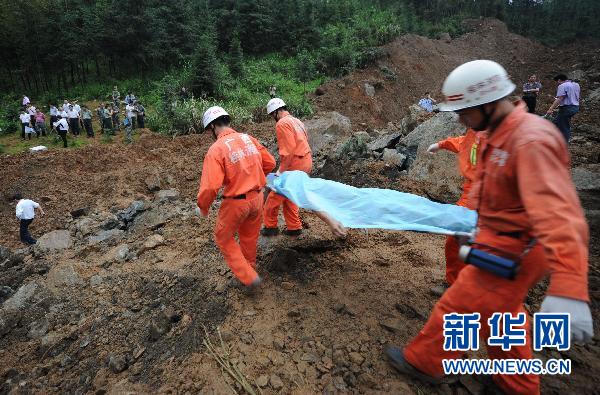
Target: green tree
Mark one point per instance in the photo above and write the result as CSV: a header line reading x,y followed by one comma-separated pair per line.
x,y
305,68
236,57
205,73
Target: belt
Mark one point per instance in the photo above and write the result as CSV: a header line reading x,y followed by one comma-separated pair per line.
x,y
242,196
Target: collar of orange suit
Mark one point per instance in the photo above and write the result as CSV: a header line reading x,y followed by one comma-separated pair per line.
x,y
226,132
507,126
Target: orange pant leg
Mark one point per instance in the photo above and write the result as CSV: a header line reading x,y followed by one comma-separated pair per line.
x,y
476,290
272,204
232,215
453,264
250,229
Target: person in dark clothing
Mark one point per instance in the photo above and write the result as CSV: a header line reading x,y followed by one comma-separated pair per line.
x,y
141,114
531,90
86,116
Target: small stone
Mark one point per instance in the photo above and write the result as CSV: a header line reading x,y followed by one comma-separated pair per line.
x,y
262,381
356,358
227,335
167,195
38,329
278,344
138,353
367,380
152,242
95,280
158,327
392,325
153,183
117,363
276,382
294,313
287,285
249,313
309,357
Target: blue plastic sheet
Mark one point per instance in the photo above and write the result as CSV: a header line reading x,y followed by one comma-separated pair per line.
x,y
372,207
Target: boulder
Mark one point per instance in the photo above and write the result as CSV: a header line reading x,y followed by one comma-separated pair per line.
x,y
167,195
441,169
23,295
586,179
593,96
130,212
385,141
326,128
108,236
117,254
393,157
55,240
85,226
9,259
60,277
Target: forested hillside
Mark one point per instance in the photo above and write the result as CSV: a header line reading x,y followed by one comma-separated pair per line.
x,y
233,51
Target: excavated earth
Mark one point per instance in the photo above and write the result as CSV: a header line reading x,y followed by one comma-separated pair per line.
x,y
125,291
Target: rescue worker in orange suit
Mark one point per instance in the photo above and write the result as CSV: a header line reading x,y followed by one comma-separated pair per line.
x,y
294,154
466,148
239,163
523,192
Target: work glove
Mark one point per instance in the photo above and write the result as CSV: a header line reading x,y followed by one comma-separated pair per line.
x,y
433,148
582,329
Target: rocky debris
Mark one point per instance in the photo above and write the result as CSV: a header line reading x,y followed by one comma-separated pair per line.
x,y
328,127
167,195
106,236
5,293
55,240
153,183
262,381
353,148
369,90
385,141
9,259
80,212
411,311
441,169
578,75
152,242
120,254
85,226
585,179
127,215
393,157
112,222
117,363
23,295
96,280
276,382
61,276
37,329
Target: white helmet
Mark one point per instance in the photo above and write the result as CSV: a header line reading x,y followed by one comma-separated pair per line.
x,y
475,83
211,114
274,104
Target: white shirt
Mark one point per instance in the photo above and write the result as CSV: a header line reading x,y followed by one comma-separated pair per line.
x,y
77,108
53,111
26,209
26,100
72,114
24,118
32,110
63,113
130,113
62,124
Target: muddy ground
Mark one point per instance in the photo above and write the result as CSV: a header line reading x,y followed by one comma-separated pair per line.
x,y
127,305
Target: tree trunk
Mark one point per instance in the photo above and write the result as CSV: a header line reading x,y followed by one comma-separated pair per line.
x,y
97,66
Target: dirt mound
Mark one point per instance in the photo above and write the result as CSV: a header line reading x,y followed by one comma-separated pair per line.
x,y
412,65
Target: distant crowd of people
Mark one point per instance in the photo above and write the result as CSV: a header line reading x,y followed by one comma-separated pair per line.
x,y
72,117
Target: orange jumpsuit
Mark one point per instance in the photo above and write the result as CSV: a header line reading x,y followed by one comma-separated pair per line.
x,y
523,190
466,148
294,154
239,163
